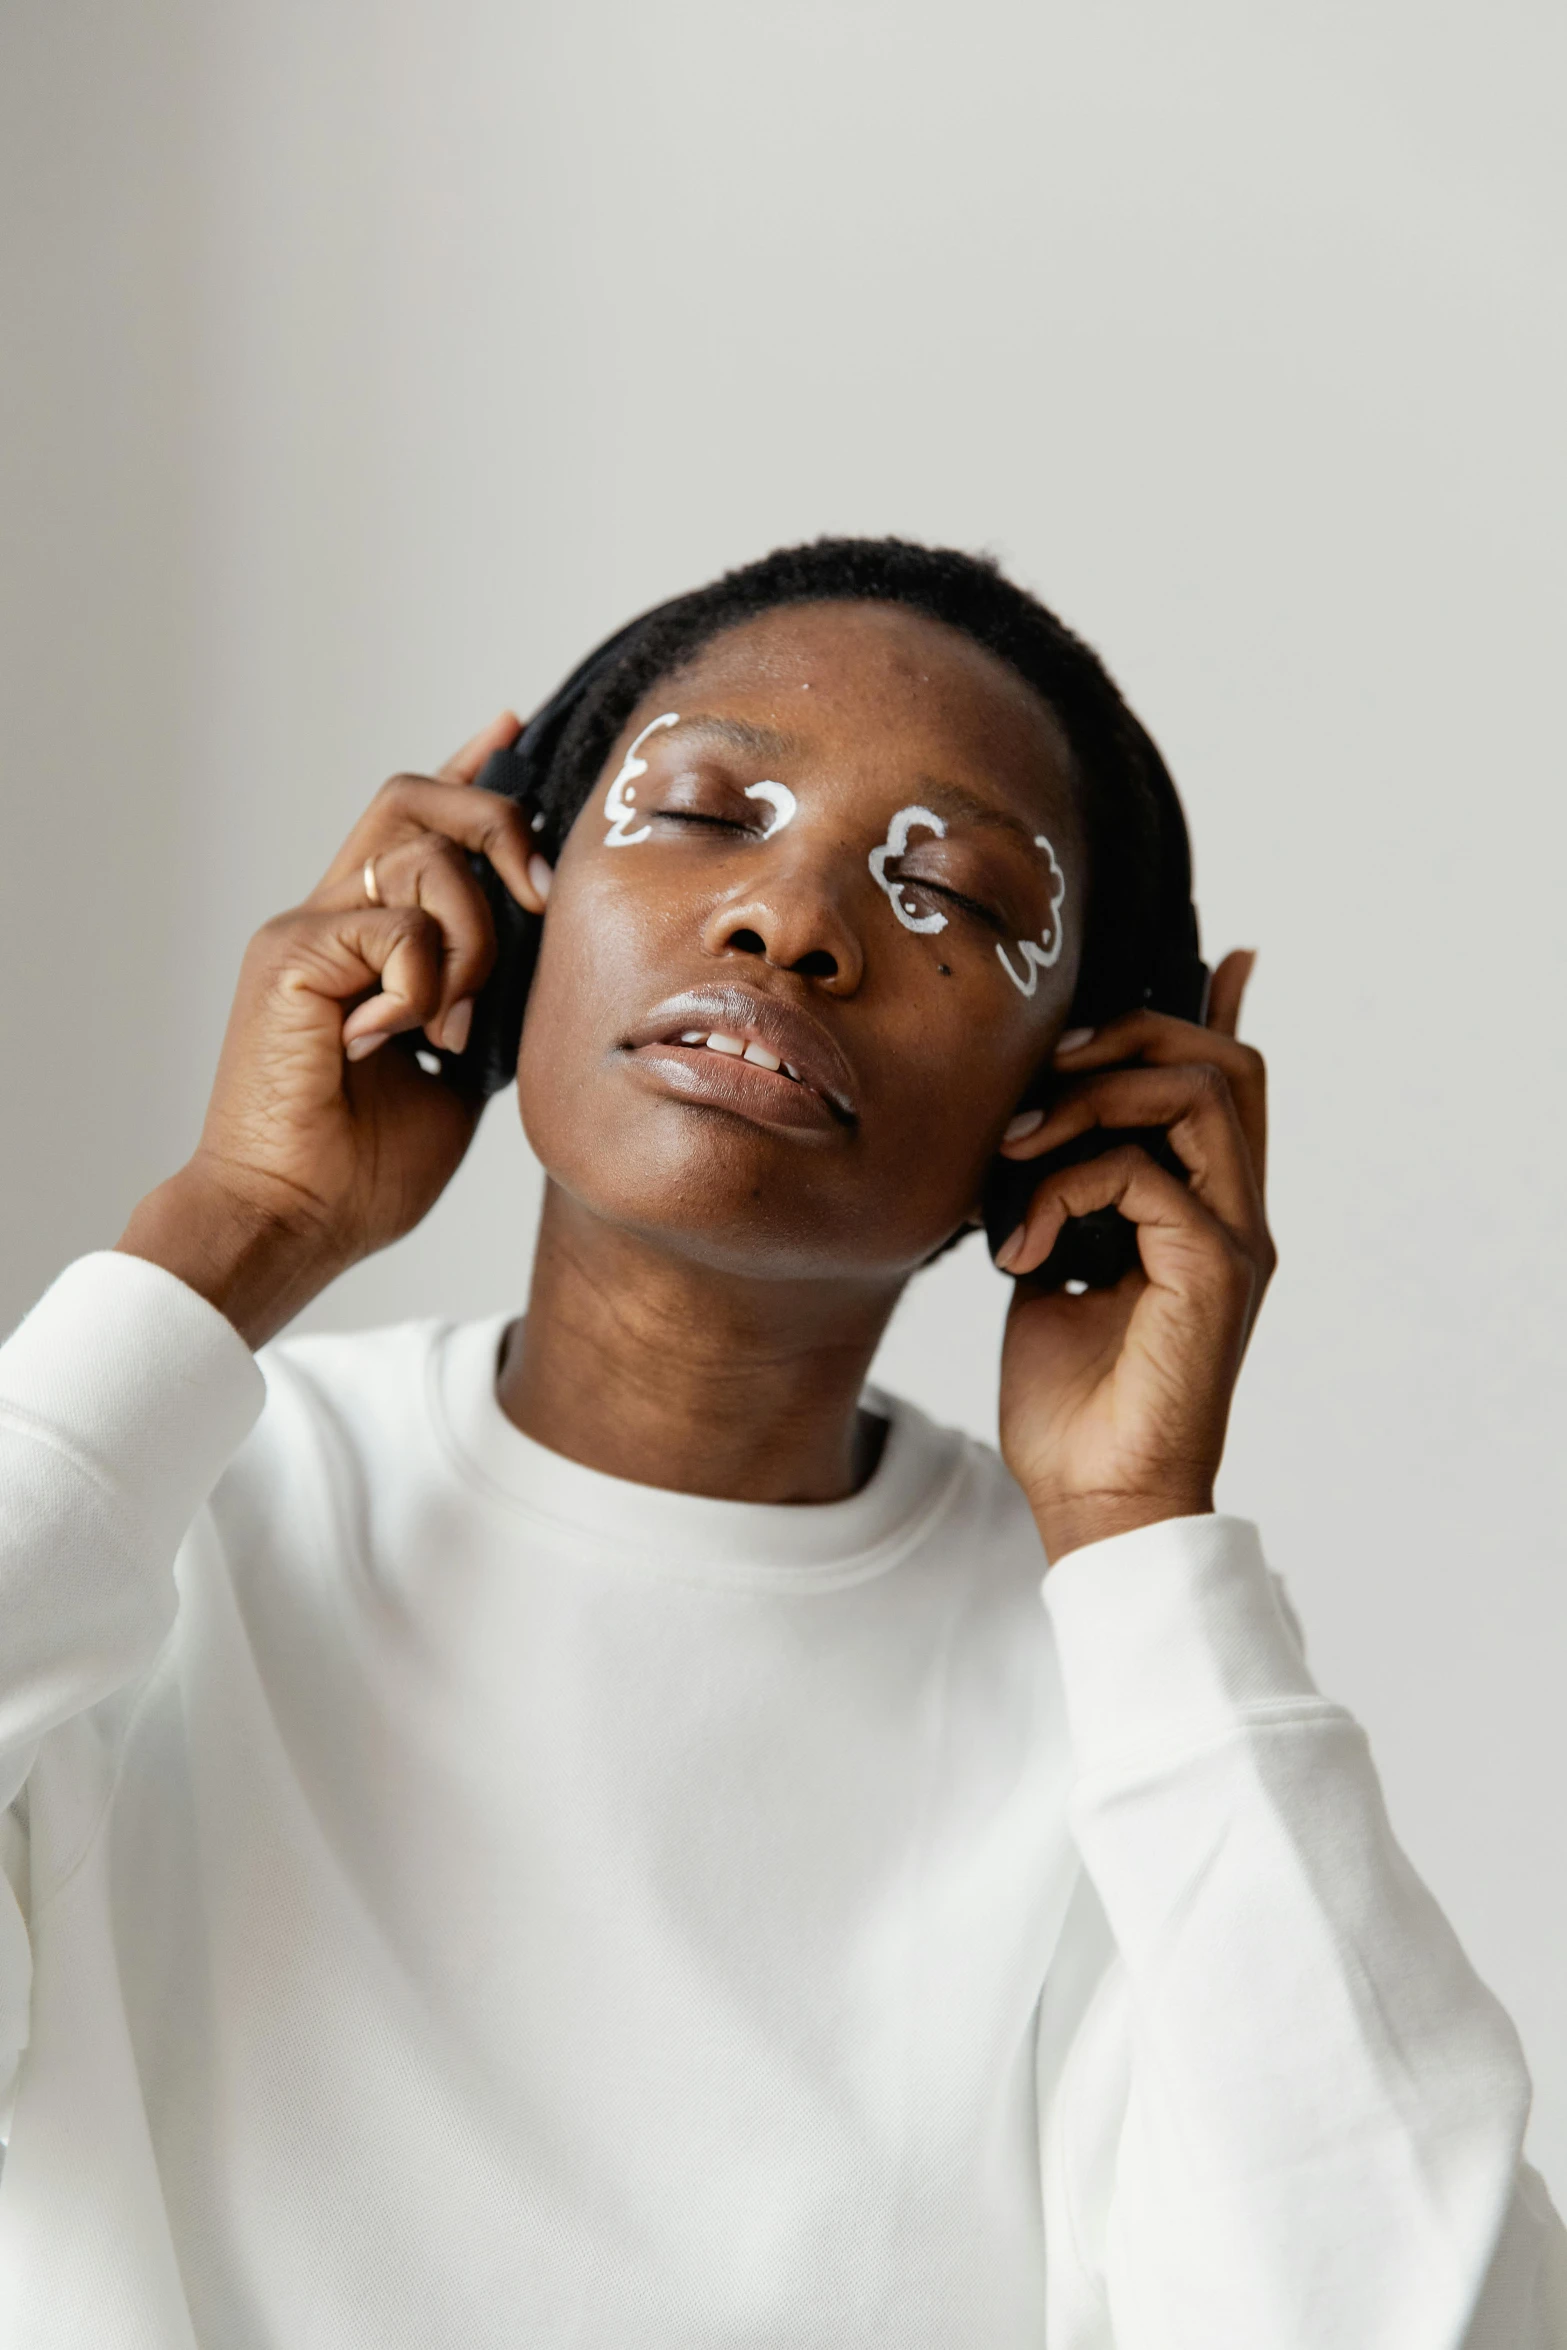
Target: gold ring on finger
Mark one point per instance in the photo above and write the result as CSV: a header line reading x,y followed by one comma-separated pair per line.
x,y
371,891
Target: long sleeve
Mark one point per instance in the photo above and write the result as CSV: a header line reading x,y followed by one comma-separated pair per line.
x,y
122,1396
1279,2109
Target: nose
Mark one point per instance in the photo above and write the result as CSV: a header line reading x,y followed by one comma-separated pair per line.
x,y
793,920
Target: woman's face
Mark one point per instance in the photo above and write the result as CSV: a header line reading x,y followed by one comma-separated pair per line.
x,y
811,843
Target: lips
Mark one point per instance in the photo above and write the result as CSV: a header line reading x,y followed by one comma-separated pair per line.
x,y
739,1050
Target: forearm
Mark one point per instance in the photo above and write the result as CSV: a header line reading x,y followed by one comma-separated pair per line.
x,y
122,1396
1326,2107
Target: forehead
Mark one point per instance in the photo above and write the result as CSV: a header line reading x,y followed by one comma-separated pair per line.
x,y
881,693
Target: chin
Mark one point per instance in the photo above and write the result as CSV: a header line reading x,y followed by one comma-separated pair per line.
x,y
733,1201
728,1191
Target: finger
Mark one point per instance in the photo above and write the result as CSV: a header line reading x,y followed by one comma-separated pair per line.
x,y
1198,1111
465,764
430,872
1183,1248
1157,1039
1228,986
325,960
485,822
1126,1179
410,991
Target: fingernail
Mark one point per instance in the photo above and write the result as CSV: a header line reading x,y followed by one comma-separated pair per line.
x,y
358,1048
1010,1248
1072,1040
540,875
1026,1122
454,1036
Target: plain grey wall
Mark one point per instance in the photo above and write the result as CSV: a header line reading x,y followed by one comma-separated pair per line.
x,y
367,362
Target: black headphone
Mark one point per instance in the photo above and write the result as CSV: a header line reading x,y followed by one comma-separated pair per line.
x,y
1097,1249
488,1063
1094,1250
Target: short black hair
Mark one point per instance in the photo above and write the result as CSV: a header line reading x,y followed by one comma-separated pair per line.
x,y
1140,939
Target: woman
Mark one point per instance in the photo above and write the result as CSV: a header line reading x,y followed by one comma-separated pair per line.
x,y
579,1829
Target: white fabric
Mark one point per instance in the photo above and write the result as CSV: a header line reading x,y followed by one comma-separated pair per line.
x,y
464,1900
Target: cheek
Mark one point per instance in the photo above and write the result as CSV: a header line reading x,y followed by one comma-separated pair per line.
x,y
943,1061
595,959
954,1056
607,927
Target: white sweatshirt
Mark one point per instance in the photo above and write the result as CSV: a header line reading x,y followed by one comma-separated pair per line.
x,y
466,1901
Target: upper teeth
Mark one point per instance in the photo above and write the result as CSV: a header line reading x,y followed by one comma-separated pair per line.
x,y
738,1049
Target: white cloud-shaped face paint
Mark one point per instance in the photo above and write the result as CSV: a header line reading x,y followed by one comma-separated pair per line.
x,y
781,800
907,820
1039,958
618,808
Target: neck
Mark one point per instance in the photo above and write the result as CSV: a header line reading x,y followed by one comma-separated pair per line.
x,y
648,1366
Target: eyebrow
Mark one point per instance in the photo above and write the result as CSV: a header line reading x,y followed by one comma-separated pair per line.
x,y
763,742
965,807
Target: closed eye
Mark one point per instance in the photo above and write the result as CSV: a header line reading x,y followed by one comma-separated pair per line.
x,y
939,889
689,816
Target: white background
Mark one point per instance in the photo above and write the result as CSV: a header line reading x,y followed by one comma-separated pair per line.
x,y
367,363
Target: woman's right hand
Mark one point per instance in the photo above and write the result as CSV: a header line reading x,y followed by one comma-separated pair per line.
x,y
318,1147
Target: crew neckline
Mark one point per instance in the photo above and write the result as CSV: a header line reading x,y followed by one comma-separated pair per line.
x,y
691,1536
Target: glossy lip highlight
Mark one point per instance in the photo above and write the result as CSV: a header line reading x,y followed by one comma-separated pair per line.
x,y
793,1035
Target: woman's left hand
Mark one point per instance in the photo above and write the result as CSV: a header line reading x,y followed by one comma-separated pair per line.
x,y
1114,1403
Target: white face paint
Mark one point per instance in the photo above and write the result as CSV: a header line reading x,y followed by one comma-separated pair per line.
x,y
618,809
907,820
781,800
1039,958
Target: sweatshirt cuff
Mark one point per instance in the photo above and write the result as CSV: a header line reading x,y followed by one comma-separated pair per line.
x,y
1168,1636
151,1387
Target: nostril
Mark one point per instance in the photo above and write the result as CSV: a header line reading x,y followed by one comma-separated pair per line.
x,y
749,942
818,964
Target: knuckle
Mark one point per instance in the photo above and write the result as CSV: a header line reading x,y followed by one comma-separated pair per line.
x,y
458,905
438,851
278,936
396,790
1121,1165
505,828
414,926
502,812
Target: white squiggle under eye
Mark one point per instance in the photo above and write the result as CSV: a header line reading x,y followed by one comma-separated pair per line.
x,y
1039,958
618,809
783,804
906,821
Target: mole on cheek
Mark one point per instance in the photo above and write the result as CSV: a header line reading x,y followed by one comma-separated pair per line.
x,y
942,968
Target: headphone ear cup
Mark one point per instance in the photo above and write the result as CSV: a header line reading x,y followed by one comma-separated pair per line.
x,y
504,771
488,1062
1096,1249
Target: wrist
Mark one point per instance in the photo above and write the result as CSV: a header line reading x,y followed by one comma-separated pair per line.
x,y
1070,1522
259,1264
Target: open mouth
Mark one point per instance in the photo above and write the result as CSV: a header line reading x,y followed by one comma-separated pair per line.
x,y
735,1048
728,1048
